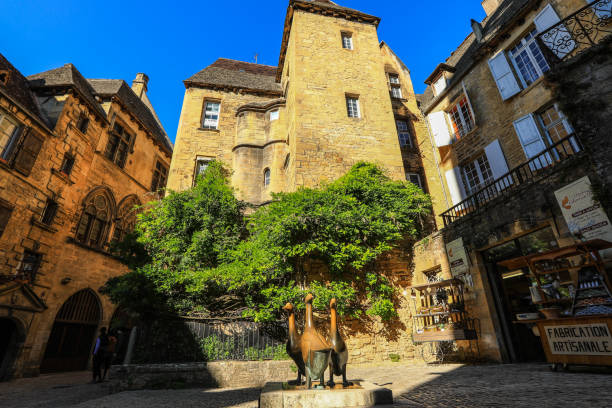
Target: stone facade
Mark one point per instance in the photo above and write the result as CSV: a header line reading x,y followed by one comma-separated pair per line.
x,y
50,255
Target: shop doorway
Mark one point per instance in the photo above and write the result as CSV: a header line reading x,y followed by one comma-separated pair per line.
x,y
73,333
512,296
10,342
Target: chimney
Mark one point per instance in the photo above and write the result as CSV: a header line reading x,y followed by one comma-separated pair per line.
x,y
477,30
139,85
490,6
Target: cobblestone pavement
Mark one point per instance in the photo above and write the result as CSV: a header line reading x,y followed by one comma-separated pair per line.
x,y
524,385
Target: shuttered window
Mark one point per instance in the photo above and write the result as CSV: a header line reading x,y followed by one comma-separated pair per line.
x,y
439,128
28,152
503,76
531,140
477,174
455,185
559,38
462,118
528,59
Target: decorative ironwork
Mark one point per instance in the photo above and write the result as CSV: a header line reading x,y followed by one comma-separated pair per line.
x,y
527,172
578,32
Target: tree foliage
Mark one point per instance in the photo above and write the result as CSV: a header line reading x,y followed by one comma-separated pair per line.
x,y
201,245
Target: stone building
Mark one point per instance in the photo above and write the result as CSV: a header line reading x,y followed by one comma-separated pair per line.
x,y
77,156
338,95
509,118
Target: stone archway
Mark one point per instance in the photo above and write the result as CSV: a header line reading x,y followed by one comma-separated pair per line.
x,y
73,333
12,337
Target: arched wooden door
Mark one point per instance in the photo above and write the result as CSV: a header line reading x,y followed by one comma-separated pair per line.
x,y
73,333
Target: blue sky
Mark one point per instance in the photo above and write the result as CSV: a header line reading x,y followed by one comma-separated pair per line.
x,y
172,40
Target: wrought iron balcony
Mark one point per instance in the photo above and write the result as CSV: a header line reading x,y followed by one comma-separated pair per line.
x,y
530,171
578,32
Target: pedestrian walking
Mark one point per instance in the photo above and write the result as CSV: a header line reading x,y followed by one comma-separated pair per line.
x,y
99,353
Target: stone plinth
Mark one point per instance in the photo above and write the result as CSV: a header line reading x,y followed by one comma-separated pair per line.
x,y
278,395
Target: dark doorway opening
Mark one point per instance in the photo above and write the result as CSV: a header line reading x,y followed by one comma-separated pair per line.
x,y
9,348
512,296
71,339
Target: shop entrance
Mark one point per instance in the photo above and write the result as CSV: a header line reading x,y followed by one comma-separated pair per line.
x,y
9,347
512,296
73,333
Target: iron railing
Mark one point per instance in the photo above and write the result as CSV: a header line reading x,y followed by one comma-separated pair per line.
x,y
529,171
578,32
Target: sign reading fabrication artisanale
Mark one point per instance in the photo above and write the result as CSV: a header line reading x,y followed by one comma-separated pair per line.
x,y
588,339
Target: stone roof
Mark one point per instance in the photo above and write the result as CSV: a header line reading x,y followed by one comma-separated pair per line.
x,y
118,88
237,74
469,51
67,76
17,88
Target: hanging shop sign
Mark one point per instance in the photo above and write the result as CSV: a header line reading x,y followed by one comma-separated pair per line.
x,y
583,214
589,339
457,257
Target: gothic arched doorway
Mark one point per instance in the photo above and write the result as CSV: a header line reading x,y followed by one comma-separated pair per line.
x,y
73,333
11,339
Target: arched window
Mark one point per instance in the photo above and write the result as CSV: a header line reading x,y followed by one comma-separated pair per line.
x,y
94,224
266,177
126,217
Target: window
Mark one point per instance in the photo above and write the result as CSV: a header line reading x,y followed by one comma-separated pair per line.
x,y
83,124
266,178
439,85
461,118
554,124
126,217
67,164
273,115
394,84
415,179
347,41
30,265
160,176
95,220
201,166
49,212
5,216
119,143
8,135
477,174
403,132
211,115
528,59
352,106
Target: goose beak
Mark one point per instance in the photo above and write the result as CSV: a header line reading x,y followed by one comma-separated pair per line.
x,y
309,298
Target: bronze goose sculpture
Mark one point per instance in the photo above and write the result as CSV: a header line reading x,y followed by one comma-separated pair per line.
x,y
339,353
315,349
293,344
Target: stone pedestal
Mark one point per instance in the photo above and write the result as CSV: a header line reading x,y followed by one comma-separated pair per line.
x,y
279,395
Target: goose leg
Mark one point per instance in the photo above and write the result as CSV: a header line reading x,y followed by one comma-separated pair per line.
x,y
345,383
331,382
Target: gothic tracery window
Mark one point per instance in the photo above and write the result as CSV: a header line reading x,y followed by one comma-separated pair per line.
x,y
95,220
126,217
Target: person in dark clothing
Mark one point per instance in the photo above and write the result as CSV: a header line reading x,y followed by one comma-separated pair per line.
x,y
99,353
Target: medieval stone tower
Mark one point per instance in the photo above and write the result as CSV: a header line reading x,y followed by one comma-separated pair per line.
x,y
330,103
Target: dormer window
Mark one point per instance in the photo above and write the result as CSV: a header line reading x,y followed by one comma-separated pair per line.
x,y
347,41
439,85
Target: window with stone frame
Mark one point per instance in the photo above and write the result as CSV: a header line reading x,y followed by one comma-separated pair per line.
x,y
126,217
555,124
30,265
5,215
403,133
202,164
352,106
476,174
49,212
9,133
67,164
267,177
395,86
528,59
96,217
160,176
347,41
415,178
210,118
462,118
119,144
83,123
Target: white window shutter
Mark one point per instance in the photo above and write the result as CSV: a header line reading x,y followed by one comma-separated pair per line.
x,y
547,18
469,102
455,185
531,140
503,75
439,128
499,167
